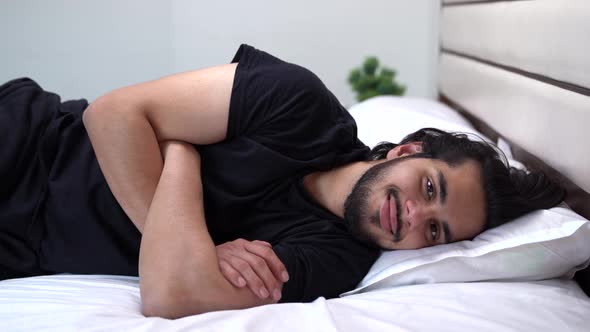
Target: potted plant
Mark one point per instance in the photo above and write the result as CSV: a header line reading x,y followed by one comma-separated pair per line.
x,y
371,80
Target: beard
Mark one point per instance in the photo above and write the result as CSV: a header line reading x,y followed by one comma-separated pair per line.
x,y
357,215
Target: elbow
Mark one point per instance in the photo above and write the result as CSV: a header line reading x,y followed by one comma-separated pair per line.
x,y
170,305
151,306
177,302
116,103
89,112
162,309
166,307
95,110
151,309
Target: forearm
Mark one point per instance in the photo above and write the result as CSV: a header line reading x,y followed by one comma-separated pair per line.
x,y
126,125
179,273
127,151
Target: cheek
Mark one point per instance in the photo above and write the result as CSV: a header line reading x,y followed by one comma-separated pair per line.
x,y
412,241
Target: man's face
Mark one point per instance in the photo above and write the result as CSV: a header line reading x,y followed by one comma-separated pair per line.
x,y
411,203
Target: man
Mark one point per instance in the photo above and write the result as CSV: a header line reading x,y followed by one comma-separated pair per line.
x,y
247,174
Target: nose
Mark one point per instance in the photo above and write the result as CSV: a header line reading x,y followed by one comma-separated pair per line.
x,y
417,214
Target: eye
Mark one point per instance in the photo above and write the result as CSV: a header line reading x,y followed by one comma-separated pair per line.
x,y
434,231
429,189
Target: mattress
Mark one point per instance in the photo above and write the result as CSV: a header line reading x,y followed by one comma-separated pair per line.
x,y
98,302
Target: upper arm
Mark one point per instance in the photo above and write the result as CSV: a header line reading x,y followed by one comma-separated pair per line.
x,y
192,107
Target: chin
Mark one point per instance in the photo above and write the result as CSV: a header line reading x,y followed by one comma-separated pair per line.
x,y
386,243
382,238
364,234
375,236
361,224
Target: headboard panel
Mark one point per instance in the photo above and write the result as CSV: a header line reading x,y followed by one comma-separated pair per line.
x,y
522,67
521,70
545,38
547,121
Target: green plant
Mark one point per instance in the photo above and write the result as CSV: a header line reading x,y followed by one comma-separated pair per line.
x,y
367,83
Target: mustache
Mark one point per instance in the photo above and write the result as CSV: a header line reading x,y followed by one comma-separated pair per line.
x,y
397,235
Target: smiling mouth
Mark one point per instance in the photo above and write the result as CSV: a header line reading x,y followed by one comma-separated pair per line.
x,y
388,215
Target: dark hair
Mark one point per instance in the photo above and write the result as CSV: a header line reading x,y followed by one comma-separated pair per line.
x,y
509,192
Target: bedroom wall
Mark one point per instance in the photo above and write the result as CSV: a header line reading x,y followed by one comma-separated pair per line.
x,y
86,48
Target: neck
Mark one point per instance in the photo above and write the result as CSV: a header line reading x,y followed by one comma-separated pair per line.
x,y
331,188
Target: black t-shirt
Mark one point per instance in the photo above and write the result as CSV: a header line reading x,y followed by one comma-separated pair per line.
x,y
283,124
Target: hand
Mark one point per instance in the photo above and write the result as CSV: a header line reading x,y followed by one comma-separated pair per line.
x,y
253,264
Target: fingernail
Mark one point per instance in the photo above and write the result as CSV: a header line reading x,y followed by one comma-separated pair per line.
x,y
285,276
241,281
276,295
263,292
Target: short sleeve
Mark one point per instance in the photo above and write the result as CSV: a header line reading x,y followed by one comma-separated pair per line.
x,y
327,266
266,89
288,109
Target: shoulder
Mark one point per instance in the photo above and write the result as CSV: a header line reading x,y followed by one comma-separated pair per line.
x,y
262,69
268,93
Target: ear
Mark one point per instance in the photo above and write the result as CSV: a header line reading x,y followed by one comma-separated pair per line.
x,y
404,150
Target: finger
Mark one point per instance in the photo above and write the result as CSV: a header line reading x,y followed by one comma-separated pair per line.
x,y
262,243
274,263
231,274
229,253
261,268
253,280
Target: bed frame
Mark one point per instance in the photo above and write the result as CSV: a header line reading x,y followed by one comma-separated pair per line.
x,y
519,70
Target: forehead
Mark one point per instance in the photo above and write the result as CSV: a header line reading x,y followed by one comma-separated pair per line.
x,y
464,207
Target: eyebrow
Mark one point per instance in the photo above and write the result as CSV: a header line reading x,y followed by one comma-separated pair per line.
x,y
442,182
447,231
442,197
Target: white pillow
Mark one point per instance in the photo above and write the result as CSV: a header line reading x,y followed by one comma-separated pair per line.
x,y
542,244
388,118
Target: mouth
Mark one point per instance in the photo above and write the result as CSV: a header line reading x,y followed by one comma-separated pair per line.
x,y
388,214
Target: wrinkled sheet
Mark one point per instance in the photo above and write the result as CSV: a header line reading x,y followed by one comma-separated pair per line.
x,y
74,303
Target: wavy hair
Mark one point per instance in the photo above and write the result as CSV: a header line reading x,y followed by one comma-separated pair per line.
x,y
509,192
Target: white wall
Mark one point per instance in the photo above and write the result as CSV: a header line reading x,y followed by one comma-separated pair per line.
x,y
86,48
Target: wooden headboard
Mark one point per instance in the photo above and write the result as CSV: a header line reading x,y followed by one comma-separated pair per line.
x,y
520,70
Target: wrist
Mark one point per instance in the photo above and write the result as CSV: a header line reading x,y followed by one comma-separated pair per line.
x,y
182,163
178,150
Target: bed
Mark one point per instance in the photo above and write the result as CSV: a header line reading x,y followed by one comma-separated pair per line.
x,y
512,72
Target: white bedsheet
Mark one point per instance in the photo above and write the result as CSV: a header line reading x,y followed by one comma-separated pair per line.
x,y
74,303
